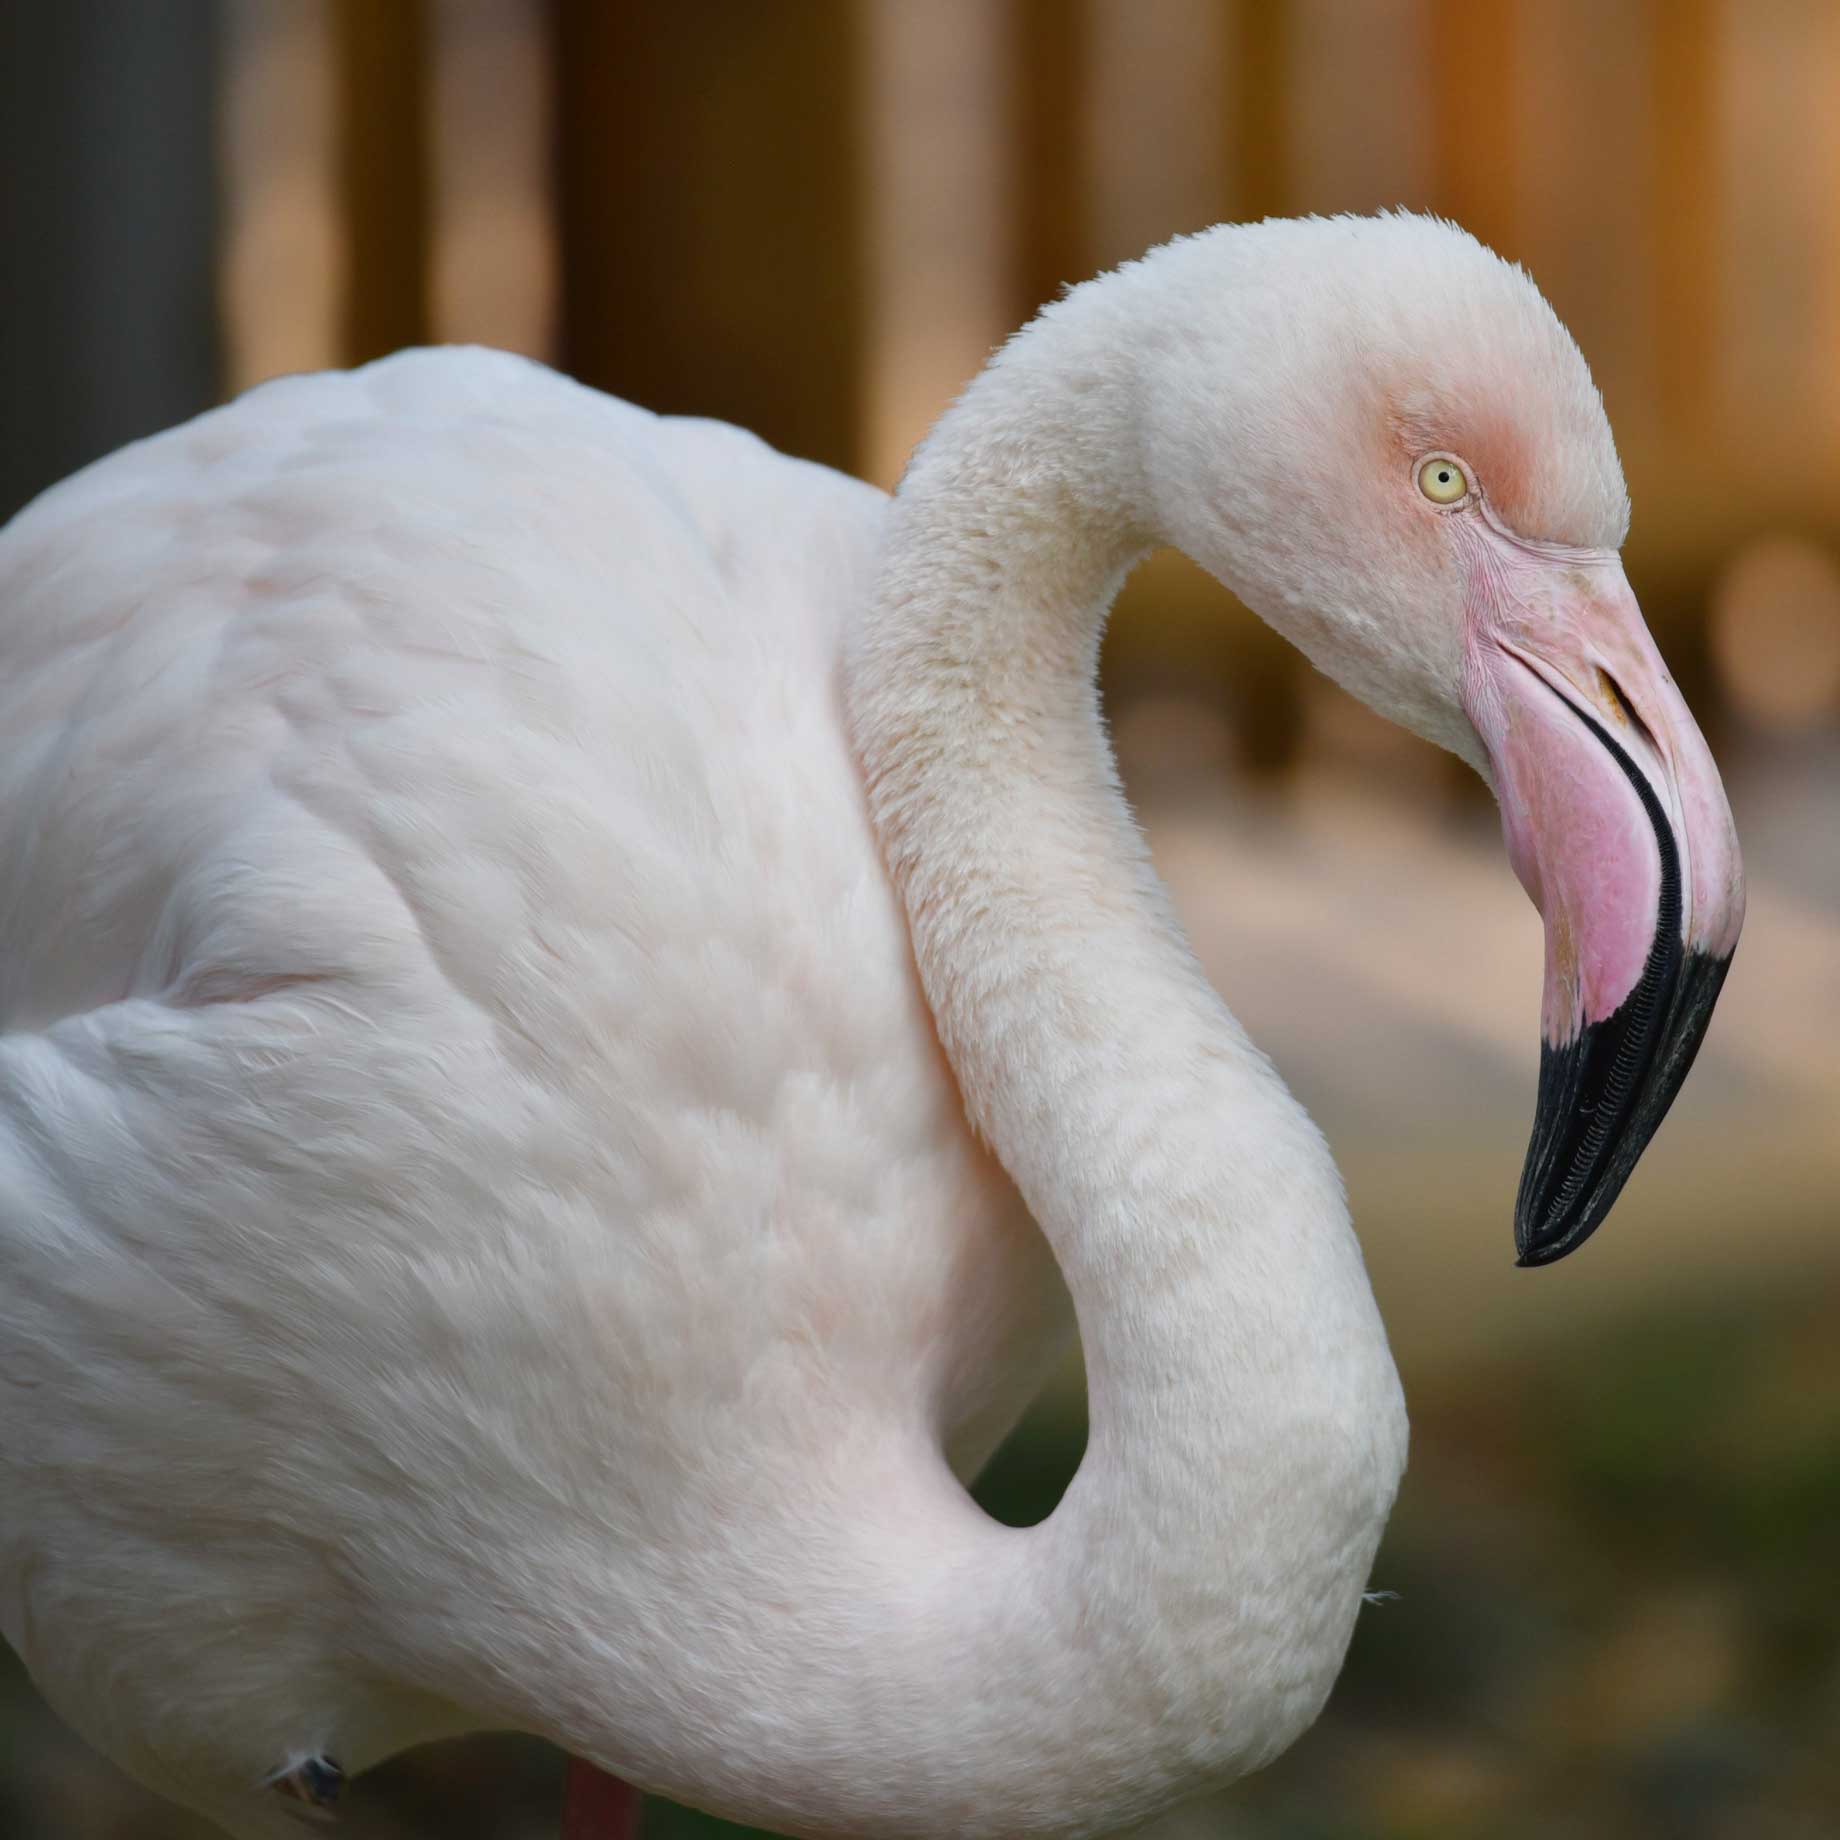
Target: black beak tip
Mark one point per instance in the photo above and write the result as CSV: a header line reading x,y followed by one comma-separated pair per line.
x,y
1603,1094
1548,1247
1551,1225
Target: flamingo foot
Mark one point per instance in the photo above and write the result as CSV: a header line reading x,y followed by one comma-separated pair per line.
x,y
597,1806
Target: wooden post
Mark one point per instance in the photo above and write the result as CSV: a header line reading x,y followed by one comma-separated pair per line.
x,y
1686,219
1474,132
108,224
1049,43
384,175
1259,159
708,184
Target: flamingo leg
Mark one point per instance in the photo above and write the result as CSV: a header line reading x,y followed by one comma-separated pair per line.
x,y
597,1806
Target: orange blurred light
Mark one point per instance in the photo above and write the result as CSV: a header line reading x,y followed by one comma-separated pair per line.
x,y
494,252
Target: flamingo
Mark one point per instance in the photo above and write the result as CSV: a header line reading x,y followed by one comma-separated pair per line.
x,y
583,1009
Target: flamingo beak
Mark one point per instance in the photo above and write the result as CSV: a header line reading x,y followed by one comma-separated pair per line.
x,y
1619,830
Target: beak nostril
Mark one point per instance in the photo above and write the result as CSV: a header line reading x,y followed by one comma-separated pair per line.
x,y
1613,693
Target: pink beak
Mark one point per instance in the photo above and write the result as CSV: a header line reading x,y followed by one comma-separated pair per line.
x,y
1619,829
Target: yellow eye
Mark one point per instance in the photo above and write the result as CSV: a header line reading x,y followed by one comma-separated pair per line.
x,y
1443,481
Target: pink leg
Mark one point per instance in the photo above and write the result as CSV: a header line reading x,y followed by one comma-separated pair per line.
x,y
597,1806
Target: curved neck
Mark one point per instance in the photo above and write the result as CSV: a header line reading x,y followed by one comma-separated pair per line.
x,y
1191,1599
901,1664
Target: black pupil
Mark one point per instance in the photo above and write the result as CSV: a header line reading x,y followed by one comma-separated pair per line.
x,y
1443,479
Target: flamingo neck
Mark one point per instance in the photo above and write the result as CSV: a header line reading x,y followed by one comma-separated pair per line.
x,y
1181,1616
886,1658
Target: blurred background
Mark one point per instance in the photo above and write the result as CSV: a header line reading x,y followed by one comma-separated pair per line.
x,y
1614,1556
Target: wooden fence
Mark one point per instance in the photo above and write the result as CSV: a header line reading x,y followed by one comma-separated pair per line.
x,y
814,216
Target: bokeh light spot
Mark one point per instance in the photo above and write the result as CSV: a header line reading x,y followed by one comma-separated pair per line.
x,y
1776,632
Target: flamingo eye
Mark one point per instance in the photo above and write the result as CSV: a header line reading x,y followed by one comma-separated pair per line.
x,y
1443,481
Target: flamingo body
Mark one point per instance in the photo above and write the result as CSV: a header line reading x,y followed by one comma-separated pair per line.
x,y
460,1046
517,919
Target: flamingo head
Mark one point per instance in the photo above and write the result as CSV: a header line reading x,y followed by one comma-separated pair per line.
x,y
1409,472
